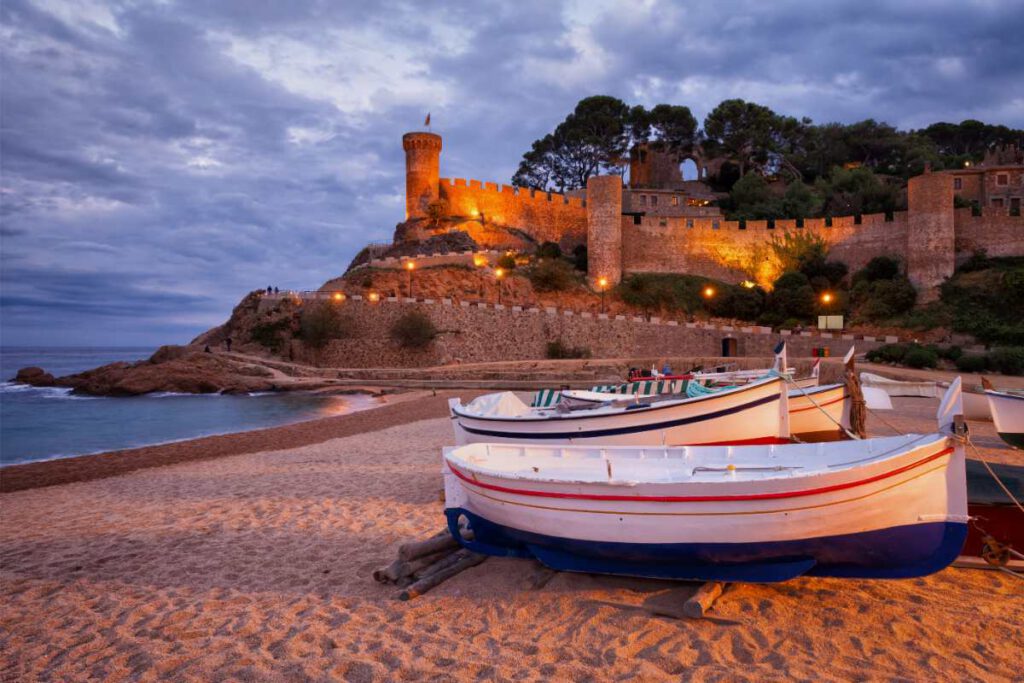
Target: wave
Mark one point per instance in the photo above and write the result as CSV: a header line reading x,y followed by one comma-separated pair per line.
x,y
43,392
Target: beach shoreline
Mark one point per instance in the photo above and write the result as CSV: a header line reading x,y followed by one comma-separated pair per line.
x,y
395,409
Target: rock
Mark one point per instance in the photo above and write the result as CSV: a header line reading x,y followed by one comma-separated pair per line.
x,y
194,372
170,352
36,377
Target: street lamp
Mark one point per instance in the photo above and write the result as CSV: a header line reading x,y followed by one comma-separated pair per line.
x,y
338,297
374,297
826,298
499,273
602,284
410,266
709,292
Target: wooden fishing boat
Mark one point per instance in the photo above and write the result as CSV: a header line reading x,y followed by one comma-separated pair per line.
x,y
815,414
1008,416
996,534
975,401
754,413
891,507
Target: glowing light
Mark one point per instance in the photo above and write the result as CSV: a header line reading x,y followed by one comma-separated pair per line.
x,y
602,282
474,213
338,296
967,164
374,297
748,284
499,273
479,260
409,265
826,298
709,292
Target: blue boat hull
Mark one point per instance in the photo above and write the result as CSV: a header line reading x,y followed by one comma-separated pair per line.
x,y
893,553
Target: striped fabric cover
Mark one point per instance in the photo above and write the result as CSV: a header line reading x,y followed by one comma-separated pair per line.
x,y
545,398
651,386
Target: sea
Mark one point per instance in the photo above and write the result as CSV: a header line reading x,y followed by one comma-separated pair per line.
x,y
47,423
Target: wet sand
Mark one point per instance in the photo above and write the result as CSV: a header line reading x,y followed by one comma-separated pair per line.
x,y
249,558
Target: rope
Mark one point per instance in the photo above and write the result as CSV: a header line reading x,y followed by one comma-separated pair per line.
x,y
814,403
883,420
999,481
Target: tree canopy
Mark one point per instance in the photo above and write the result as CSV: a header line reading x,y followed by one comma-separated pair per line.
x,y
807,169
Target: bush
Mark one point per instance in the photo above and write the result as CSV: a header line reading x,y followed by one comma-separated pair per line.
x,y
878,268
1007,360
792,297
890,353
549,250
322,322
736,301
972,363
270,334
414,330
921,357
951,353
552,276
558,350
883,299
507,261
580,261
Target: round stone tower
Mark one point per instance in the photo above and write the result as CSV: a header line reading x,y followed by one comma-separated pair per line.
x,y
422,172
604,228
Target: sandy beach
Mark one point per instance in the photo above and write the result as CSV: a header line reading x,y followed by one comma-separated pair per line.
x,y
249,558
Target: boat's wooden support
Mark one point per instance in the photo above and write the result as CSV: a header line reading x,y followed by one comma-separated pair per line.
x,y
700,603
400,569
436,544
463,560
858,406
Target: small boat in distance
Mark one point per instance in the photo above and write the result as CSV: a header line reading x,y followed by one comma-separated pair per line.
x,y
1008,416
893,507
753,413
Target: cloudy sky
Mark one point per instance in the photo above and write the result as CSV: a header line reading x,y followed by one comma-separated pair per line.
x,y
158,160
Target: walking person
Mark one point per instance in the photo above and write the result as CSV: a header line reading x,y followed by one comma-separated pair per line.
x,y
227,343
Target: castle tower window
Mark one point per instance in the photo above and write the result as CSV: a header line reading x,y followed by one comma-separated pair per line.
x,y
654,200
958,183
1002,179
675,200
643,200
637,219
997,202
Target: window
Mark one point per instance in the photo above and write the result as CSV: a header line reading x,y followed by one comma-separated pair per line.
x,y
997,202
654,200
714,225
689,222
643,200
1002,179
675,200
958,183
636,219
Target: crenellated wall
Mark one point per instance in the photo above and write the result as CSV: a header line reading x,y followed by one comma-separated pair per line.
x,y
995,231
545,216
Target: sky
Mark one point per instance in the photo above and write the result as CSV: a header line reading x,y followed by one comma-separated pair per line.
x,y
159,160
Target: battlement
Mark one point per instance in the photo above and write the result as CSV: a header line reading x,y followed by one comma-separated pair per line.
x,y
523,193
662,224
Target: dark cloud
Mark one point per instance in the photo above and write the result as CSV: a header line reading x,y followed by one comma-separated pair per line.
x,y
159,160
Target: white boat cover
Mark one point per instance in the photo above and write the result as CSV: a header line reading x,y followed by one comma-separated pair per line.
x,y
501,404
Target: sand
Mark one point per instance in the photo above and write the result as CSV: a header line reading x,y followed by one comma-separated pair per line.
x,y
256,566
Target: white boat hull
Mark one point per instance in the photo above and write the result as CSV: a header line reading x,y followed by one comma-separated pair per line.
x,y
1008,416
682,513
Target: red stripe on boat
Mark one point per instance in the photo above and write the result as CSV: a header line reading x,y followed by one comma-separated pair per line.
x,y
699,499
820,405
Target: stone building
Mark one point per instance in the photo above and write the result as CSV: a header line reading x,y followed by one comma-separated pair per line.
x,y
661,223
996,183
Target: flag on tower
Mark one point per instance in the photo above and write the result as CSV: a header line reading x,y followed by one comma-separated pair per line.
x,y
427,122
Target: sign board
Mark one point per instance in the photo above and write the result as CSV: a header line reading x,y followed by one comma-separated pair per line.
x,y
830,322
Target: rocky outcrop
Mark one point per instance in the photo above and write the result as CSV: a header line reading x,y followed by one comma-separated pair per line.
x,y
36,377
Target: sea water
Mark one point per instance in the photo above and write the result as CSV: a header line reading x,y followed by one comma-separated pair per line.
x,y
45,423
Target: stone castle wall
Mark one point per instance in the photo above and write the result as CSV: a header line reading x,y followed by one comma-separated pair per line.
x,y
486,333
731,251
545,216
995,231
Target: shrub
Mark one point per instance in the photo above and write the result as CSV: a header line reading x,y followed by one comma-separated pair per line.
x,y
921,357
270,334
323,322
549,250
558,350
829,273
507,261
437,211
1008,360
882,299
413,330
793,297
972,363
878,268
552,276
951,353
890,353
580,261
735,301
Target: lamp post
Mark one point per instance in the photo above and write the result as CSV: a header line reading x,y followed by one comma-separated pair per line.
x,y
602,284
409,267
338,297
499,273
709,292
